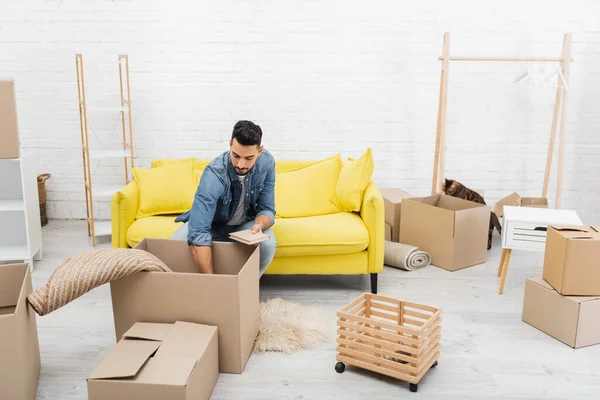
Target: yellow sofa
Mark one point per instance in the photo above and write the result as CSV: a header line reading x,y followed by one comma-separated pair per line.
x,y
332,244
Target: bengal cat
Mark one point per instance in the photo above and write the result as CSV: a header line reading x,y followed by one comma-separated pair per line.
x,y
456,189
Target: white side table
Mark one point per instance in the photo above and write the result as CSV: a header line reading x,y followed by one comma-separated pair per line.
x,y
524,228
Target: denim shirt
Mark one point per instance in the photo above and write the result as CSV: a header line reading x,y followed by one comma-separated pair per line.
x,y
219,192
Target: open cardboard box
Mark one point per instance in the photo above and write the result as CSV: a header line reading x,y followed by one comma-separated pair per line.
x,y
514,199
572,260
228,299
454,231
19,346
168,361
571,319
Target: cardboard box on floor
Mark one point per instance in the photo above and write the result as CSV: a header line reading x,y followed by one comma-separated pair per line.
x,y
454,231
159,361
229,299
19,346
9,128
514,199
572,260
392,199
571,319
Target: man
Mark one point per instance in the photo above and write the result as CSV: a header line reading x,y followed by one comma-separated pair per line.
x,y
236,192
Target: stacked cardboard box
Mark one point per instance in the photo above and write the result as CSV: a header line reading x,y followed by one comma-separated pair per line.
x,y
565,301
9,129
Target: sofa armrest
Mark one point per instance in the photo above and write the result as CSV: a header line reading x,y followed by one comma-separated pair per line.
x,y
372,212
124,207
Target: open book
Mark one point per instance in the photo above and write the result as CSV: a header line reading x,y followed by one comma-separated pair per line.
x,y
246,236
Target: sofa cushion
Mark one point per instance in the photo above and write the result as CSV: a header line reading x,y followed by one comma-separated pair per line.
x,y
165,190
339,233
161,227
354,178
309,190
198,168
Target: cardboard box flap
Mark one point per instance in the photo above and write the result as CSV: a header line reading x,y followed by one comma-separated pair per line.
x,y
175,253
570,228
512,199
394,195
166,369
540,202
185,337
126,359
13,278
577,232
148,331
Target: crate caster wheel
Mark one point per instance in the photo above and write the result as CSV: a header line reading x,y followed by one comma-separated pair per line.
x,y
413,387
340,367
434,365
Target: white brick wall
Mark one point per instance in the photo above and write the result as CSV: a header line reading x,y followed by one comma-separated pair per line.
x,y
320,77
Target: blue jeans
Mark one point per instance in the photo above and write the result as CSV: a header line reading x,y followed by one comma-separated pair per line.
x,y
220,233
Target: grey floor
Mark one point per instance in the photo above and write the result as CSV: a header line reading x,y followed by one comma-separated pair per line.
x,y
487,351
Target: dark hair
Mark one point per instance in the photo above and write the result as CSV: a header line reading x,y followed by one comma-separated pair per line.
x,y
247,133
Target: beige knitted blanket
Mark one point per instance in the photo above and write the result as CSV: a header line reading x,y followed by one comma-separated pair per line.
x,y
88,270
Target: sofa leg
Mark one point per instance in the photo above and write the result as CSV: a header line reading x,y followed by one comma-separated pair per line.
x,y
374,283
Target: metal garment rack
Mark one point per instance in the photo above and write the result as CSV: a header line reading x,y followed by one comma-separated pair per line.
x,y
103,228
560,109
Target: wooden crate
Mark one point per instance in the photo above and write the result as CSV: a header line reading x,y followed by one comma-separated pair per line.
x,y
396,338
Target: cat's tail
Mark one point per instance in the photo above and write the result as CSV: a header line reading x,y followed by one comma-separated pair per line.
x,y
496,223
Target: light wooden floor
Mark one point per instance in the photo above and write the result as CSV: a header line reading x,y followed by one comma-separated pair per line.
x,y
487,351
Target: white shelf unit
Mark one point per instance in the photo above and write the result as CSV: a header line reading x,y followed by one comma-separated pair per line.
x,y
124,150
20,225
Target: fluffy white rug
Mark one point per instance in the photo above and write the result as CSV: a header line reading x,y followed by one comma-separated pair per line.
x,y
288,327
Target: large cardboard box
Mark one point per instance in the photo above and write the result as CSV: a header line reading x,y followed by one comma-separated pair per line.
x,y
572,260
454,231
159,361
19,346
571,319
228,299
9,128
392,199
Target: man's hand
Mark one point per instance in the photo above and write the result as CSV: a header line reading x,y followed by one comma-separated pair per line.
x,y
261,223
256,228
203,257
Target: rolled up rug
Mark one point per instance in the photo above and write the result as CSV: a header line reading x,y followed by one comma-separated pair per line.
x,y
87,270
404,256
